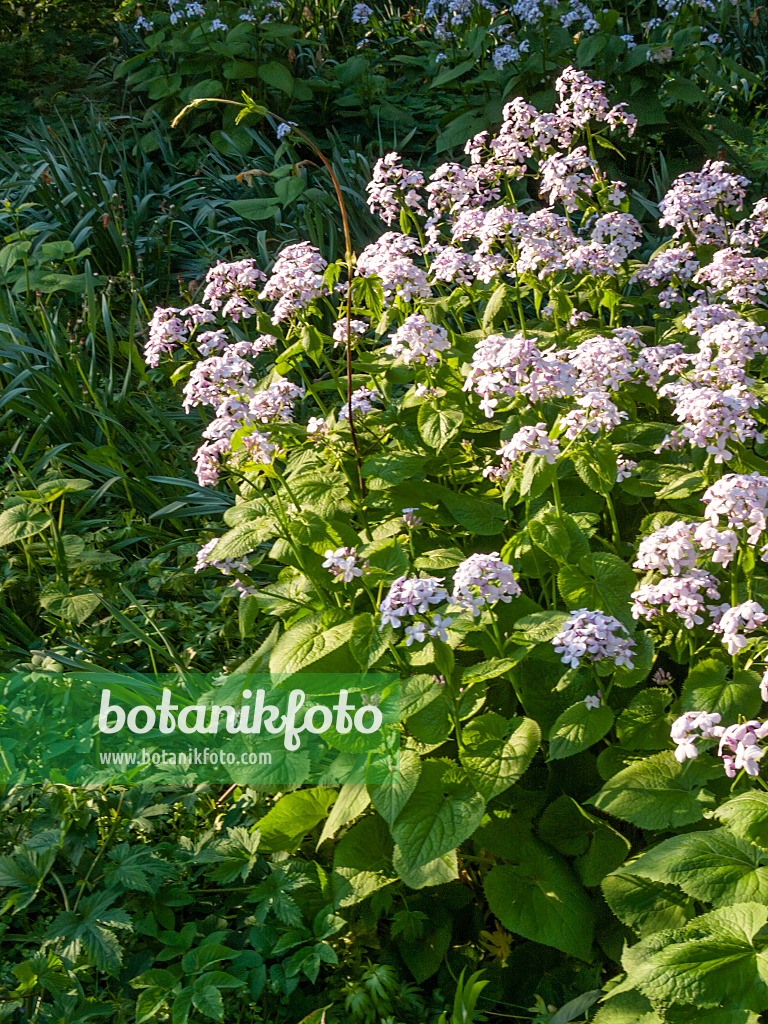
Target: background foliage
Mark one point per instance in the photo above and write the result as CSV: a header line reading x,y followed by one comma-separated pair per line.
x,y
198,905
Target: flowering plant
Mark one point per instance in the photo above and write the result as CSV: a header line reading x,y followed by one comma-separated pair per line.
x,y
510,451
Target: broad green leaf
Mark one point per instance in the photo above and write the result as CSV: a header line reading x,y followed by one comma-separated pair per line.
x,y
306,643
708,688
437,872
74,607
438,426
538,897
644,725
368,642
657,792
577,728
289,189
246,537
549,532
207,999
494,668
20,522
597,467
645,905
149,1002
714,867
602,582
276,75
284,826
541,626
389,800
451,73
352,800
747,817
362,861
496,751
718,962
627,1008
572,831
441,813
262,208
477,515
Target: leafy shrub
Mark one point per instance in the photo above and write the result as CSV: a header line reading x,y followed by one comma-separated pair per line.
x,y
525,401
443,73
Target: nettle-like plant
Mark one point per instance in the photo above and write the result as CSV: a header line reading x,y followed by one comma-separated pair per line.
x,y
451,457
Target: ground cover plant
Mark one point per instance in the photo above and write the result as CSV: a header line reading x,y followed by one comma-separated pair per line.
x,y
496,425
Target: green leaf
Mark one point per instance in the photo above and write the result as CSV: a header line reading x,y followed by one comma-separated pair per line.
x,y
442,812
368,643
496,751
289,189
477,515
715,867
572,831
149,1002
538,476
494,668
207,999
644,725
645,905
284,826
627,1008
577,728
747,817
25,873
451,73
538,897
262,208
603,582
20,522
352,800
495,305
549,532
390,799
540,627
277,76
361,861
716,962
439,871
438,425
708,688
307,643
597,467
657,792
74,607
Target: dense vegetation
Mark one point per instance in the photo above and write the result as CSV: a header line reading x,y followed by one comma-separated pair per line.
x,y
494,424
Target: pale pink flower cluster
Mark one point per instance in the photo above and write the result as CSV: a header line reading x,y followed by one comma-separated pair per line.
x,y
296,280
226,566
482,580
698,201
710,417
343,564
683,596
418,340
531,440
412,597
508,367
738,743
737,620
392,187
362,403
741,501
593,636
595,411
390,258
